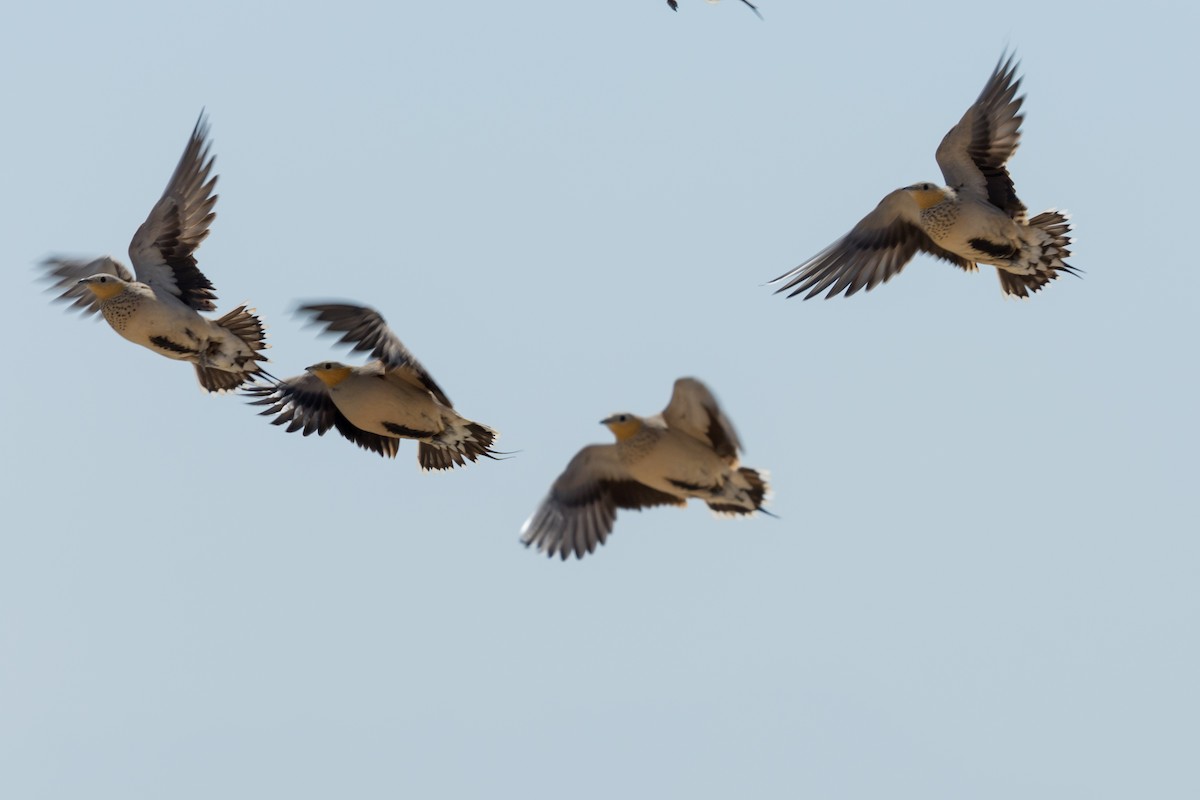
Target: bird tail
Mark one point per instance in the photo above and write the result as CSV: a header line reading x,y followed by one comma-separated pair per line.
x,y
219,380
749,492
235,369
1050,233
460,442
242,323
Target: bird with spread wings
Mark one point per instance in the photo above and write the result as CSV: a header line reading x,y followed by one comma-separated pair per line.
x,y
976,218
157,305
689,450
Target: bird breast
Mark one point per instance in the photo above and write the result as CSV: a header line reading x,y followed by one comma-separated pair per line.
x,y
119,310
170,329
938,220
637,447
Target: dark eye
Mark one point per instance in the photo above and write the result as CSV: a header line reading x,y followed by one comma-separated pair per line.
x,y
328,366
104,280
623,418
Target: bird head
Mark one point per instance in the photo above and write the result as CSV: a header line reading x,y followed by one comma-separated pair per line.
x,y
104,285
331,373
927,195
623,425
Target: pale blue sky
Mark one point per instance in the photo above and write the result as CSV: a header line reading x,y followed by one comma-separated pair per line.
x,y
983,579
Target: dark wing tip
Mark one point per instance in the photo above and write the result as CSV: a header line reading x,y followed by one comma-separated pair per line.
x,y
753,8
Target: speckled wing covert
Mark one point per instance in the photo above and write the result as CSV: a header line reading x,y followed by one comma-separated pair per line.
x,y
694,410
365,329
973,154
578,514
876,248
163,249
304,404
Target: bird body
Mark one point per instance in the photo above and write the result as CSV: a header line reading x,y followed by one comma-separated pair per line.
x,y
375,402
679,464
158,308
688,451
378,404
382,402
975,219
164,324
978,231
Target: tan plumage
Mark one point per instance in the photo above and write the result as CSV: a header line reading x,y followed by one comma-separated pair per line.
x,y
377,404
690,450
158,308
975,219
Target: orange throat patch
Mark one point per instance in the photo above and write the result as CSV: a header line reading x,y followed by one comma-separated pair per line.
x,y
333,376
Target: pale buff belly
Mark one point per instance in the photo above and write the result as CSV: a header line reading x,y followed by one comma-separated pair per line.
x,y
158,328
379,406
979,232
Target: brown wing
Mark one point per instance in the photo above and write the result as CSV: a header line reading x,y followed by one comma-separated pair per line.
x,y
876,248
65,274
304,404
579,513
693,410
163,249
365,329
973,154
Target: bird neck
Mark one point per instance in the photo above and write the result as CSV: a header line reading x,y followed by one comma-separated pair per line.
x,y
332,377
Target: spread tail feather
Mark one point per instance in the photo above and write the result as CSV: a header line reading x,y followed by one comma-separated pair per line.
x,y
1053,230
219,380
749,498
459,443
243,324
